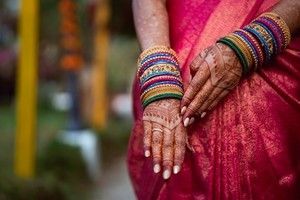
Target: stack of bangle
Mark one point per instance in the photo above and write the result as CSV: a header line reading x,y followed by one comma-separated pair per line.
x,y
258,42
159,75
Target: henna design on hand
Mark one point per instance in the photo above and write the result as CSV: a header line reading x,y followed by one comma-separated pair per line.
x,y
218,72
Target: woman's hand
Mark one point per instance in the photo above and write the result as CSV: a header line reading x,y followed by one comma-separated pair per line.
x,y
164,135
215,72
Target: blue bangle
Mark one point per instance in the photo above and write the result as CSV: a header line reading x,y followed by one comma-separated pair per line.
x,y
262,41
274,41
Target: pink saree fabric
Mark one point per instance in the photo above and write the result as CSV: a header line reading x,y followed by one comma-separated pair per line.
x,y
248,147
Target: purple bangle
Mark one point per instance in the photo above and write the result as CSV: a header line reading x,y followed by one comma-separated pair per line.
x,y
155,62
161,78
274,29
155,55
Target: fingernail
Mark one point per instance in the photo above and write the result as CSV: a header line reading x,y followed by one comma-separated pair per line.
x,y
186,122
183,110
203,114
192,121
156,168
166,174
176,169
147,153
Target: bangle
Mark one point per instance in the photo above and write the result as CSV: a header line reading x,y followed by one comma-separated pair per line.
x,y
251,48
282,24
159,75
243,46
259,41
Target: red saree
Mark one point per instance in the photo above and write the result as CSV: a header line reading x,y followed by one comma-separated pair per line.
x,y
249,146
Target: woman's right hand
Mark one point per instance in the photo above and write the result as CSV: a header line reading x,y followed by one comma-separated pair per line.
x,y
164,136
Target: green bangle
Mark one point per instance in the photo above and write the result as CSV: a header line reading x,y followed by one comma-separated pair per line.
x,y
160,97
237,51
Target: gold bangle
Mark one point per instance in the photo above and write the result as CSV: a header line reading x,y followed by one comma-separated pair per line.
x,y
159,68
162,91
243,48
156,49
160,87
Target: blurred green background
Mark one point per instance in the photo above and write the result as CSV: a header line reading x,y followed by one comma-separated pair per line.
x,y
60,170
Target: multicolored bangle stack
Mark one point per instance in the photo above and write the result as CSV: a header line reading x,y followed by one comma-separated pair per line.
x,y
258,42
159,75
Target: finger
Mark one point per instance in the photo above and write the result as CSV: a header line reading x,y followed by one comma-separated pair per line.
x,y
168,152
217,100
198,61
179,147
195,85
157,140
197,102
147,137
214,95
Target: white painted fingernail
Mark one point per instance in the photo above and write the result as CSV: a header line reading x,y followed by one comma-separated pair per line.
x,y
183,110
156,168
203,114
176,169
186,122
192,121
147,153
166,174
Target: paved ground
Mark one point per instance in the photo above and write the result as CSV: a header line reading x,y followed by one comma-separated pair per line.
x,y
115,183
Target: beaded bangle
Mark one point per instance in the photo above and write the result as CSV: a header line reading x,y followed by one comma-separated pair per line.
x,y
143,79
159,75
256,43
282,24
159,68
250,47
243,48
161,86
154,50
279,38
273,38
160,79
265,35
144,88
262,42
157,55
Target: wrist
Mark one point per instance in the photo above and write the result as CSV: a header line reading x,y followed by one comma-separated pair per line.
x,y
159,75
258,42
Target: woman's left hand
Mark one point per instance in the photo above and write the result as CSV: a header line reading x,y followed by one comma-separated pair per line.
x,y
215,72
